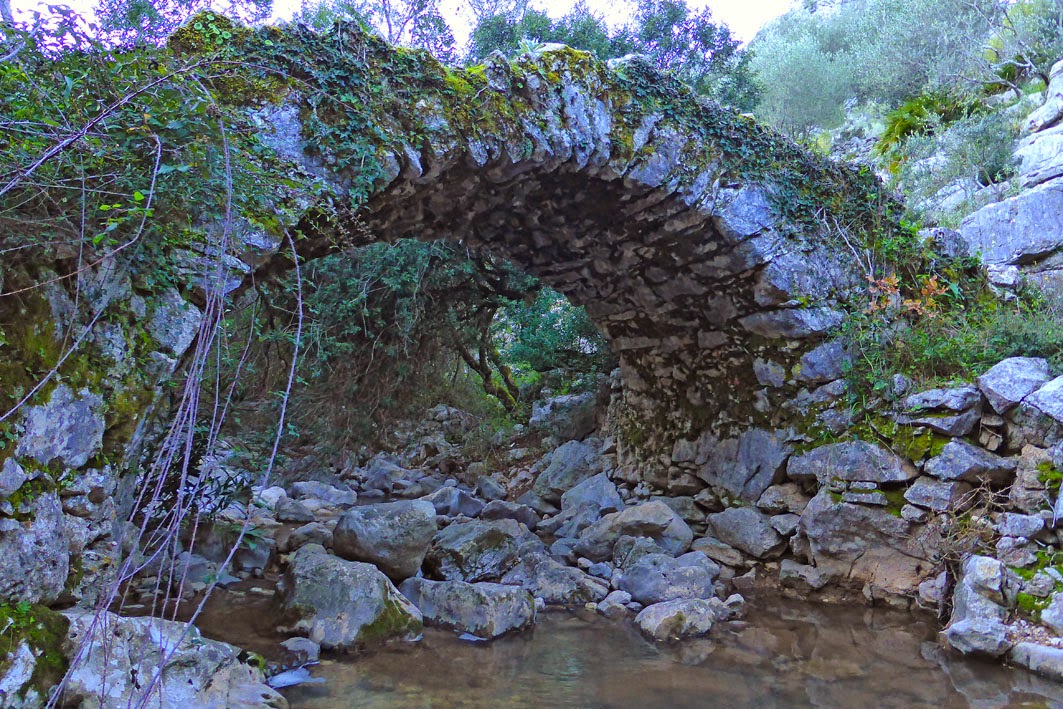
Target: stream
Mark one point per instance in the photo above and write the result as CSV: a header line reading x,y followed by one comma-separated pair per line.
x,y
785,654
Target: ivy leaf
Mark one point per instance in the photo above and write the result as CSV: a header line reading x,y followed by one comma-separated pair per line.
x,y
138,196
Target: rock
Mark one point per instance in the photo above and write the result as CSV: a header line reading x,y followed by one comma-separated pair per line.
x,y
500,509
1017,525
785,524
1018,230
68,428
478,550
394,536
614,606
787,497
452,502
570,523
952,412
863,545
566,418
556,583
939,495
978,636
718,551
35,554
1052,616
932,592
255,554
656,578
289,510
569,465
1040,157
119,654
960,460
12,477
748,465
1040,659
382,474
1010,381
486,610
825,363
676,620
747,530
312,533
795,575
270,496
303,648
1049,399
651,519
343,605
597,492
326,493
490,489
1051,111
850,461
174,323
628,550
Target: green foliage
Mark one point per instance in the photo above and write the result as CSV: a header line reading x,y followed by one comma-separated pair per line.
x,y
409,23
971,332
45,632
149,21
700,52
924,115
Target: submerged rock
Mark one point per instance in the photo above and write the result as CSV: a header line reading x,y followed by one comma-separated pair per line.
x,y
486,610
343,605
393,535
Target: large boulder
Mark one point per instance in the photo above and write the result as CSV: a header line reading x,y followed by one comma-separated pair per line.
x,y
854,461
864,546
656,578
1011,380
747,466
393,535
343,605
567,417
597,492
654,519
453,501
748,530
565,467
116,659
978,618
486,610
1018,230
676,620
68,428
479,550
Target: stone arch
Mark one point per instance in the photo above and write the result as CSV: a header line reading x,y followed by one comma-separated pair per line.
x,y
696,239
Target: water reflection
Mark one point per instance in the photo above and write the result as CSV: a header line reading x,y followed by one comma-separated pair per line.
x,y
787,656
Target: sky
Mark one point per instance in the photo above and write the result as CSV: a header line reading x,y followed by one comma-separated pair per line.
x,y
744,17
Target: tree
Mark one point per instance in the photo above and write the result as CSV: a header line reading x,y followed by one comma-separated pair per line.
x,y
410,23
138,21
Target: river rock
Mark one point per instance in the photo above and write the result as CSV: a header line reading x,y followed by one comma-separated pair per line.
x,y
312,533
655,520
802,576
1052,616
978,614
748,530
121,654
614,606
960,460
1039,659
555,583
628,550
343,605
567,466
718,551
486,610
501,509
856,461
658,577
597,492
328,494
452,502
480,550
863,545
289,510
395,536
1011,380
676,620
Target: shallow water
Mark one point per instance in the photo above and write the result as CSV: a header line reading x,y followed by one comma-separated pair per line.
x,y
788,654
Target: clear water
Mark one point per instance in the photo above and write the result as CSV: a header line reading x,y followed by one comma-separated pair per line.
x,y
787,654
